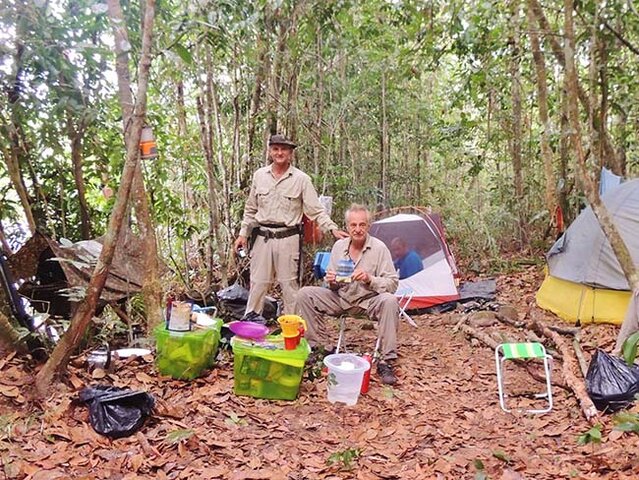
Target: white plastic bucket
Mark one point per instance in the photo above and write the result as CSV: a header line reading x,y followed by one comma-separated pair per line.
x,y
345,374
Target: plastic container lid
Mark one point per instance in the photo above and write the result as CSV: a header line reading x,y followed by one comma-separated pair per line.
x,y
250,330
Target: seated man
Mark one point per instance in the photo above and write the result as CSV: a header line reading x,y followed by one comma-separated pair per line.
x,y
407,262
370,289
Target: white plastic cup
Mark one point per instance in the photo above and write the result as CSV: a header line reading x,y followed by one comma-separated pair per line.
x,y
345,374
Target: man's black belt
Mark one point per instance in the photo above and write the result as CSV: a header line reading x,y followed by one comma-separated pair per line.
x,y
285,233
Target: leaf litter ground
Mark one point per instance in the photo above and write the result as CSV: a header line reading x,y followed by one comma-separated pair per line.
x,y
441,421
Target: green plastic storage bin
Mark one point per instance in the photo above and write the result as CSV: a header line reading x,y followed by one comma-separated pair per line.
x,y
267,370
185,355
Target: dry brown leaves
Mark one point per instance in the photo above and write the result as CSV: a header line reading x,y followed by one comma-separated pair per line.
x,y
442,421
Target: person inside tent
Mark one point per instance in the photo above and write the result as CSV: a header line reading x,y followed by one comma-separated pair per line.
x,y
370,288
407,262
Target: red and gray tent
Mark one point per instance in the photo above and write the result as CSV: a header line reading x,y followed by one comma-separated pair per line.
x,y
423,233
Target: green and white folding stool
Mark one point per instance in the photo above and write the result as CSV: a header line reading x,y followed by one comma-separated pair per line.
x,y
522,351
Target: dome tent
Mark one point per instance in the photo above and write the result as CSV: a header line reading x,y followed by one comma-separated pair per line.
x,y
423,233
585,282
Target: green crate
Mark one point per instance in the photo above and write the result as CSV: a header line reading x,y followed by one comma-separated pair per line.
x,y
185,355
266,370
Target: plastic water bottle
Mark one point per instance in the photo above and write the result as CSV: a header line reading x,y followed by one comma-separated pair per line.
x,y
366,380
345,268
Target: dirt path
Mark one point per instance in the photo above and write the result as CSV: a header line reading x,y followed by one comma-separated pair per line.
x,y
442,421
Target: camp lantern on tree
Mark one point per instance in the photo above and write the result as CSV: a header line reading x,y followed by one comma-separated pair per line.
x,y
174,177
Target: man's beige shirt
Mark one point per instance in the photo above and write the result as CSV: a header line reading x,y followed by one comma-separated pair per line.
x,y
283,201
376,260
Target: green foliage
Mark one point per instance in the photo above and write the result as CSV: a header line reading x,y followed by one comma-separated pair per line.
x,y
629,348
234,419
626,422
501,455
480,473
176,436
592,436
344,458
7,422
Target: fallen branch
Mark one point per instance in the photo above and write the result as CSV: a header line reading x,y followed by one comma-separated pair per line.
x,y
565,330
461,322
508,321
481,336
577,386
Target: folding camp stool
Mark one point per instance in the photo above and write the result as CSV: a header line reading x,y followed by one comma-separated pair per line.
x,y
405,295
522,351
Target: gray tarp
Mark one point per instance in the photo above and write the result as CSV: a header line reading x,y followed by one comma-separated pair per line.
x,y
125,276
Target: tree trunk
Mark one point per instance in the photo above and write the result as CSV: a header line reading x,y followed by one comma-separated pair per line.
x,y
221,240
10,337
276,77
151,290
608,147
212,186
564,160
384,149
516,119
550,196
18,146
319,111
4,244
617,243
181,109
13,168
236,165
75,137
256,99
84,313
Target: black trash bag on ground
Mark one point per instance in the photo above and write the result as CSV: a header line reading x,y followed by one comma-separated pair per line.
x,y
233,300
611,383
116,412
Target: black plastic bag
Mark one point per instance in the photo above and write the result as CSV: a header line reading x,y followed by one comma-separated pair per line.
x,y
116,412
611,383
233,299
235,293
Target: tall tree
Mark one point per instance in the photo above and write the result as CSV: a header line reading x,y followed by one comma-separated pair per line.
x,y
544,119
84,313
617,243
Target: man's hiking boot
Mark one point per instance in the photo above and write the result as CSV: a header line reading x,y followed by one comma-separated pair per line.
x,y
386,374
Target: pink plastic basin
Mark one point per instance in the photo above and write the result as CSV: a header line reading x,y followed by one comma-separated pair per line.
x,y
250,330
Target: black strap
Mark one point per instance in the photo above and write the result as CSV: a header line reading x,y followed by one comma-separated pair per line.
x,y
289,232
272,225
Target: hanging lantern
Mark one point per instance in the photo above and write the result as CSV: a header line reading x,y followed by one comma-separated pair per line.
x,y
148,147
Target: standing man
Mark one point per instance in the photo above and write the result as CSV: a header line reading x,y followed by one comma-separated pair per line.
x,y
370,289
280,194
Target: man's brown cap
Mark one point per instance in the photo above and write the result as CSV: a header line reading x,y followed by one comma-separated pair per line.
x,y
278,139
